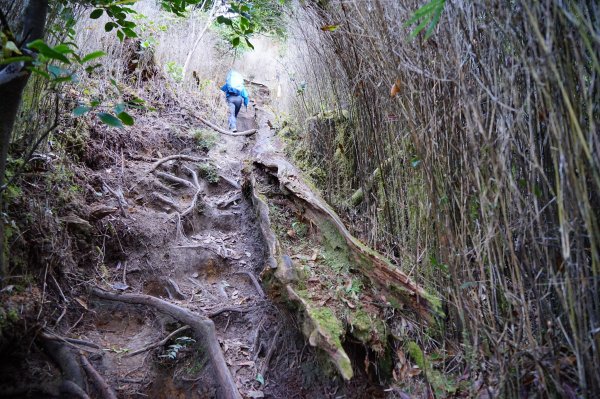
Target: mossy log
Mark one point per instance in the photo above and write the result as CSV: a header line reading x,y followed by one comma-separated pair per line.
x,y
394,283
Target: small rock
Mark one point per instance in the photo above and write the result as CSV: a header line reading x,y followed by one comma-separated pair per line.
x,y
195,275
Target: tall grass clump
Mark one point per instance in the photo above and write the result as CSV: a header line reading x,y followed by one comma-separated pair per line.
x,y
479,172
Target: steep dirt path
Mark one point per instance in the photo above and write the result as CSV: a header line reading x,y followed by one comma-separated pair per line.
x,y
186,234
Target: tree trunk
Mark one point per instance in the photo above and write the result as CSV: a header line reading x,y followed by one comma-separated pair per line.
x,y
13,79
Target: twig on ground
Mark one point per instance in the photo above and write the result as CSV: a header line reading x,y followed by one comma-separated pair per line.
x,y
172,157
99,382
157,344
204,330
255,282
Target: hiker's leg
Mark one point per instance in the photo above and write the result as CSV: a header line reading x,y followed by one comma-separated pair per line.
x,y
232,114
238,104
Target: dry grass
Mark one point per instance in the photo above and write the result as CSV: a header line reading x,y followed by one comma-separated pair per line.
x,y
482,176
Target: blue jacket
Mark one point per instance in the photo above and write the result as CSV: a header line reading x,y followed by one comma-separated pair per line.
x,y
230,91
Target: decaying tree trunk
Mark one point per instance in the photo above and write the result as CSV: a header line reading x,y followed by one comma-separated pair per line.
x,y
322,326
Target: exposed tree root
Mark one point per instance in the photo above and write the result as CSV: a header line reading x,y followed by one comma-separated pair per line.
x,y
255,282
204,330
102,387
157,344
175,180
70,388
172,157
218,129
165,200
265,365
193,204
228,309
66,360
230,181
70,340
118,193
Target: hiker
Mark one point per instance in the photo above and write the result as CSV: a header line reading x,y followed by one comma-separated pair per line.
x,y
235,92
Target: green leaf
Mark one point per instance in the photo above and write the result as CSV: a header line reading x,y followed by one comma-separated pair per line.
x,y
110,120
120,35
110,26
12,47
97,13
235,41
93,56
249,44
91,68
126,118
129,33
94,103
224,20
10,60
46,51
64,48
81,110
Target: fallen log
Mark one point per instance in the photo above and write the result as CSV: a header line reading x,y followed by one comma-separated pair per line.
x,y
203,328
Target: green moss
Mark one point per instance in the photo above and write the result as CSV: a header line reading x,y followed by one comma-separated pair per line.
x,y
361,325
326,320
205,139
209,172
416,354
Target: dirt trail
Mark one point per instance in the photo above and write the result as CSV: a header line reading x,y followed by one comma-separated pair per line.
x,y
206,258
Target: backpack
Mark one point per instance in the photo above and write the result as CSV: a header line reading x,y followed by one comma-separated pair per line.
x,y
235,82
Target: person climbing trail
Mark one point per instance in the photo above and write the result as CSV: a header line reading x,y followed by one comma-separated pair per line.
x,y
235,93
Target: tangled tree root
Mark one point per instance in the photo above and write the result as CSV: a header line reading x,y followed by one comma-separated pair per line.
x,y
203,328
66,359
